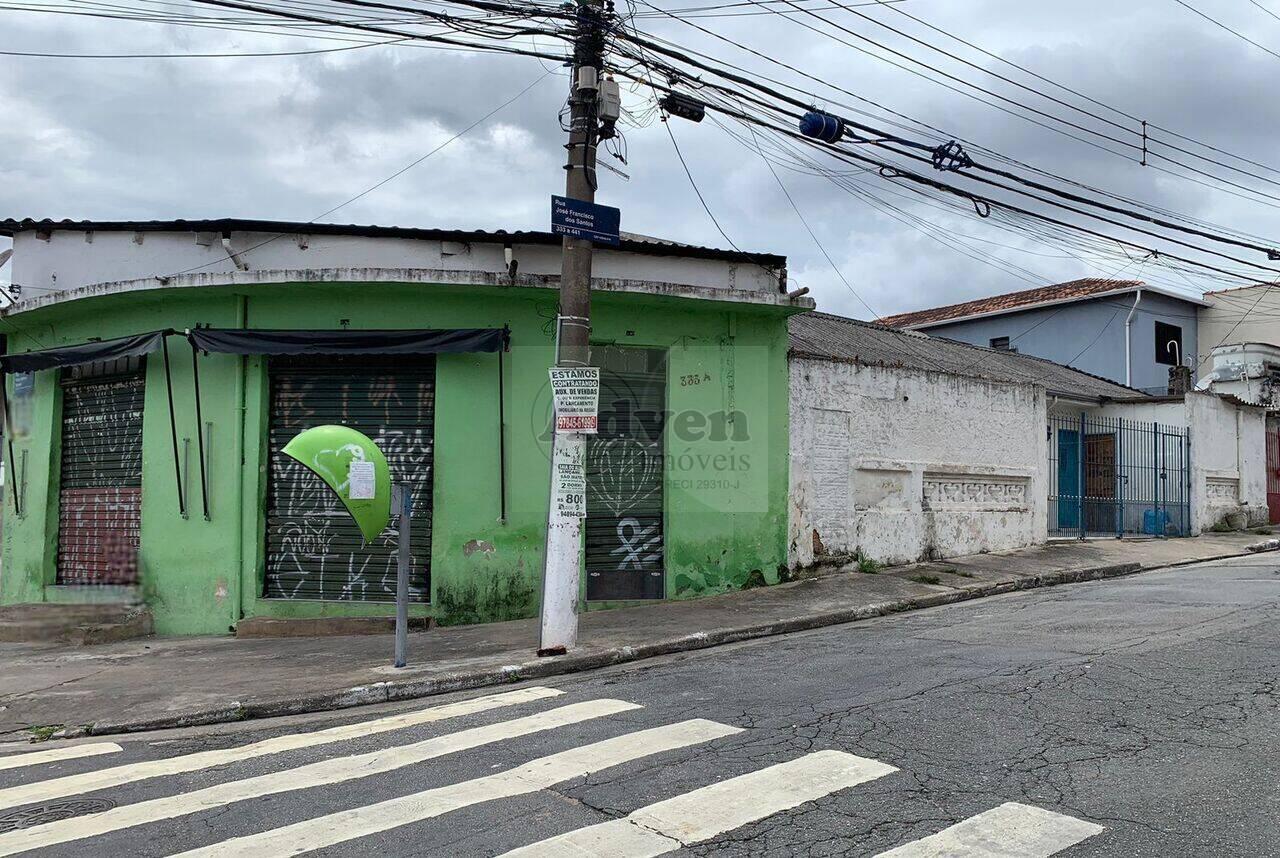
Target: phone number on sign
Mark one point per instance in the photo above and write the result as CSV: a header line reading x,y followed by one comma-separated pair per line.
x,y
571,424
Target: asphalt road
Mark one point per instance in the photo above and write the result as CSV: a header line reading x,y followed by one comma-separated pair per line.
x,y
1131,717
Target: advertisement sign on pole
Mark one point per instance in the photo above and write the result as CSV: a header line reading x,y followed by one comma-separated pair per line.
x,y
576,391
569,489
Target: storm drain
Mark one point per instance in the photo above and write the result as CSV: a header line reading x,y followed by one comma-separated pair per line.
x,y
55,811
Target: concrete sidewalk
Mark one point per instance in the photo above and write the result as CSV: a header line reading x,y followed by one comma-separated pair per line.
x,y
167,682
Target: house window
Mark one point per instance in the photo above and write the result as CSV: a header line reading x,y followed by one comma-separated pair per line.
x,y
1002,344
1168,344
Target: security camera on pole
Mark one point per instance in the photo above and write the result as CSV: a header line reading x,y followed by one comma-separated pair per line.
x,y
593,110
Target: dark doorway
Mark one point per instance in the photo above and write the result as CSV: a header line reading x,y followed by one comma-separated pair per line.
x,y
100,496
1100,483
625,473
314,550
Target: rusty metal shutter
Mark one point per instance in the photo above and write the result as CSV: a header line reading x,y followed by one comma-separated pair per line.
x,y
100,496
625,472
313,548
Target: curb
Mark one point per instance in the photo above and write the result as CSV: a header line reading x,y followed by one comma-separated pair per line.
x,y
389,692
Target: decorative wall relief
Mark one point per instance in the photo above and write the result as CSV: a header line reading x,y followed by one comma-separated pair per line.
x,y
976,492
1222,491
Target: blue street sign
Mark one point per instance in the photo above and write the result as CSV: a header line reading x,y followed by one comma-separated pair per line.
x,y
578,219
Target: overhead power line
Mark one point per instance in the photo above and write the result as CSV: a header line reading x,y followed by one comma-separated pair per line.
x,y
1065,88
979,200
480,121
1265,9
930,129
1135,146
1011,107
205,55
908,345
1220,25
759,103
317,19
800,106
321,21
721,6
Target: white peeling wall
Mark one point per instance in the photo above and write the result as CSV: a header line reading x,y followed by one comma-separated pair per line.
x,y
71,259
1228,461
904,465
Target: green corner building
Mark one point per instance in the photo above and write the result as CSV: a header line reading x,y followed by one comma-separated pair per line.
x,y
124,485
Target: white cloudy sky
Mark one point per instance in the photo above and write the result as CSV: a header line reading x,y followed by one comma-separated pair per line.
x,y
289,137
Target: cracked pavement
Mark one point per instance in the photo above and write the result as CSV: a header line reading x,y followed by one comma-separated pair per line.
x,y
1148,705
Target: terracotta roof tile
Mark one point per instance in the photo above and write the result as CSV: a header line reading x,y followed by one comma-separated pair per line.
x,y
1082,288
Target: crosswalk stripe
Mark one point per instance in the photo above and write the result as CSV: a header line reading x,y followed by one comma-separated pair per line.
x,y
541,773
105,778
1011,830
322,773
712,810
53,755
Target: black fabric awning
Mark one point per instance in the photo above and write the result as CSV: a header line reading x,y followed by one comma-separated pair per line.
x,y
102,350
386,342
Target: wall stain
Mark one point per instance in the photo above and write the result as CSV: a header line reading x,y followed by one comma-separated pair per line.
x,y
503,597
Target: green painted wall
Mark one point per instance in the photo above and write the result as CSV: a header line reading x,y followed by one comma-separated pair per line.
x,y
726,440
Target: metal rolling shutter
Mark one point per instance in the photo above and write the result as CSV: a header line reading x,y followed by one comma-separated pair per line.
x,y
100,496
313,548
625,472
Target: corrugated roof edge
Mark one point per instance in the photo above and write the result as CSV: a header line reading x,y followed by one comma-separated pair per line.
x,y
1242,288
632,243
925,338
1225,397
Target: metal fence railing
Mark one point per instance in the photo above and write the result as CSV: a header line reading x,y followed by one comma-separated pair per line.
x,y
1273,472
1109,476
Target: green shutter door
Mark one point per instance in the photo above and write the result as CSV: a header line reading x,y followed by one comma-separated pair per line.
x,y
624,528
100,495
313,548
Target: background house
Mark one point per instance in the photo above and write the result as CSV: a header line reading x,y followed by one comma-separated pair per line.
x,y
1123,330
1240,329
1249,314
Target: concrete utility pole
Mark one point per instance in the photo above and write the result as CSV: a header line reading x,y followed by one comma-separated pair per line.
x,y
561,573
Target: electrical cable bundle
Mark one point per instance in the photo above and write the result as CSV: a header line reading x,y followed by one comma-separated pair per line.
x,y
886,159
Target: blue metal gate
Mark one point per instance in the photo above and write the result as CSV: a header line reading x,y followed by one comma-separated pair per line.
x,y
1114,477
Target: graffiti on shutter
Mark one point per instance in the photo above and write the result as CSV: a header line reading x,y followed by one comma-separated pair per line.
x,y
313,548
100,495
625,472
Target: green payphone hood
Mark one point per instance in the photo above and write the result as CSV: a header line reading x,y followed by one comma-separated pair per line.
x,y
330,451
